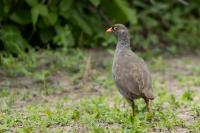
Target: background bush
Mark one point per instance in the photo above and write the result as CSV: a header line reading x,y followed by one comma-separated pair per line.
x,y
157,25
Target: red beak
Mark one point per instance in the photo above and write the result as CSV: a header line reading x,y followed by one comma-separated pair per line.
x,y
109,30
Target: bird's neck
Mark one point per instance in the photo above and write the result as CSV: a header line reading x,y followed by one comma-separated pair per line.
x,y
123,41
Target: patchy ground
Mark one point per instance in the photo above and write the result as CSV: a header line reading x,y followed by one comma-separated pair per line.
x,y
55,92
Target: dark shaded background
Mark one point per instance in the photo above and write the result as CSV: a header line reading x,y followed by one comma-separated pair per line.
x,y
169,26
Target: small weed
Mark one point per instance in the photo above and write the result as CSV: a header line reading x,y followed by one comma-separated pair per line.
x,y
41,76
196,110
158,64
188,95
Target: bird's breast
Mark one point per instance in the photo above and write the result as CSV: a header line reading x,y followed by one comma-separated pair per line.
x,y
117,69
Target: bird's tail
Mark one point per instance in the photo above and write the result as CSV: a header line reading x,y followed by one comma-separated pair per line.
x,y
149,94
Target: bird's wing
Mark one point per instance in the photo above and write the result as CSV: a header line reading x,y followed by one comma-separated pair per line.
x,y
136,76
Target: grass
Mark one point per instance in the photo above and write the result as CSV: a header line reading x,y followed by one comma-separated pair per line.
x,y
59,92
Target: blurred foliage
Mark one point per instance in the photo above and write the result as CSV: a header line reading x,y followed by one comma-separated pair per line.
x,y
161,25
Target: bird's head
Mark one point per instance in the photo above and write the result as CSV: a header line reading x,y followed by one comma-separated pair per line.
x,y
119,30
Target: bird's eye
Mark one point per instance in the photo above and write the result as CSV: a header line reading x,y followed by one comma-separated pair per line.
x,y
114,28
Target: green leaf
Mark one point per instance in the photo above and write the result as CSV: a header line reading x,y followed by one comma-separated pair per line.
x,y
21,17
64,36
42,9
66,15
35,15
65,5
95,2
7,5
81,23
119,11
32,2
12,39
38,10
128,12
51,18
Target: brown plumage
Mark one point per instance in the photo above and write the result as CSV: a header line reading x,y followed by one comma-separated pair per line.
x,y
130,72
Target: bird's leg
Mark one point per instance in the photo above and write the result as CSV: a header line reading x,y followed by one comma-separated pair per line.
x,y
148,105
133,107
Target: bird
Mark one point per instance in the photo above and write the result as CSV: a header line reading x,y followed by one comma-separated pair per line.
x,y
130,72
